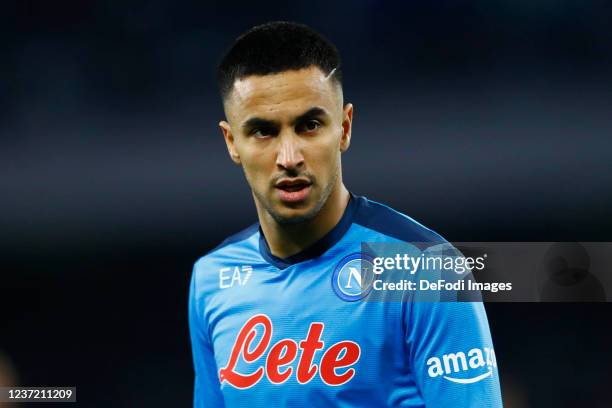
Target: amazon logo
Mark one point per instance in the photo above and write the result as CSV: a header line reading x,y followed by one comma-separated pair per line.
x,y
457,367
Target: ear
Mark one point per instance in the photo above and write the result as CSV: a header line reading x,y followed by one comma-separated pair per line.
x,y
229,141
347,125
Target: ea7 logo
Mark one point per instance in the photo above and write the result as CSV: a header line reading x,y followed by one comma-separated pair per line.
x,y
453,363
228,277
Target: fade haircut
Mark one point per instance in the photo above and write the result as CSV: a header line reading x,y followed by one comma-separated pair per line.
x,y
277,47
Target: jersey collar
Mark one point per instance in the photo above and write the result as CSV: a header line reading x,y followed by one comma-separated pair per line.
x,y
316,249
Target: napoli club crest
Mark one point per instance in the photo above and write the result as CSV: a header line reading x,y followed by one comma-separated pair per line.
x,y
352,278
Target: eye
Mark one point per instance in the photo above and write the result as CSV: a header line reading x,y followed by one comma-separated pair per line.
x,y
261,132
309,126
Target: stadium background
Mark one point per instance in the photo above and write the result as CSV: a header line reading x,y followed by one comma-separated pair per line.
x,y
486,122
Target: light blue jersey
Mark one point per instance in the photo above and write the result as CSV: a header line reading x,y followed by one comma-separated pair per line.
x,y
278,332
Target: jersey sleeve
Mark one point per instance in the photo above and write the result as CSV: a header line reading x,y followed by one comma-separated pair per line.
x,y
206,391
452,355
450,349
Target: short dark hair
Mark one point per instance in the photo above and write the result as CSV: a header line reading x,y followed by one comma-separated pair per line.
x,y
277,47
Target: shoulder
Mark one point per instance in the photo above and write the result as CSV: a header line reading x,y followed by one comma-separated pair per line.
x,y
236,240
392,223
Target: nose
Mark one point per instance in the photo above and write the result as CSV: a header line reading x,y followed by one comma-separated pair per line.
x,y
289,155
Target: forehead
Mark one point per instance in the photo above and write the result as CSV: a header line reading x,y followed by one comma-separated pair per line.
x,y
285,93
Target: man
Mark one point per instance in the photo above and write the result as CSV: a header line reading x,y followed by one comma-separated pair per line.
x,y
272,318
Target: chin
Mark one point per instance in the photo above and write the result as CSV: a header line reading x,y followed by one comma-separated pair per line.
x,y
294,216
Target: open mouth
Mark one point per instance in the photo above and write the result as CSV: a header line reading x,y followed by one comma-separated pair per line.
x,y
293,190
294,187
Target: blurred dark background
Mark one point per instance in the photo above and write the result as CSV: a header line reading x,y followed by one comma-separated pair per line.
x,y
486,121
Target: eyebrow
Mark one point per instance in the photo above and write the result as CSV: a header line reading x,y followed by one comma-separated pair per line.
x,y
258,123
311,113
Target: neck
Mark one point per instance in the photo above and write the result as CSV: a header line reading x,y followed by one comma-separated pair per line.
x,y
286,240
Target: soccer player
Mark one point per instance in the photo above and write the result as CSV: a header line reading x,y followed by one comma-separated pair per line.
x,y
274,318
